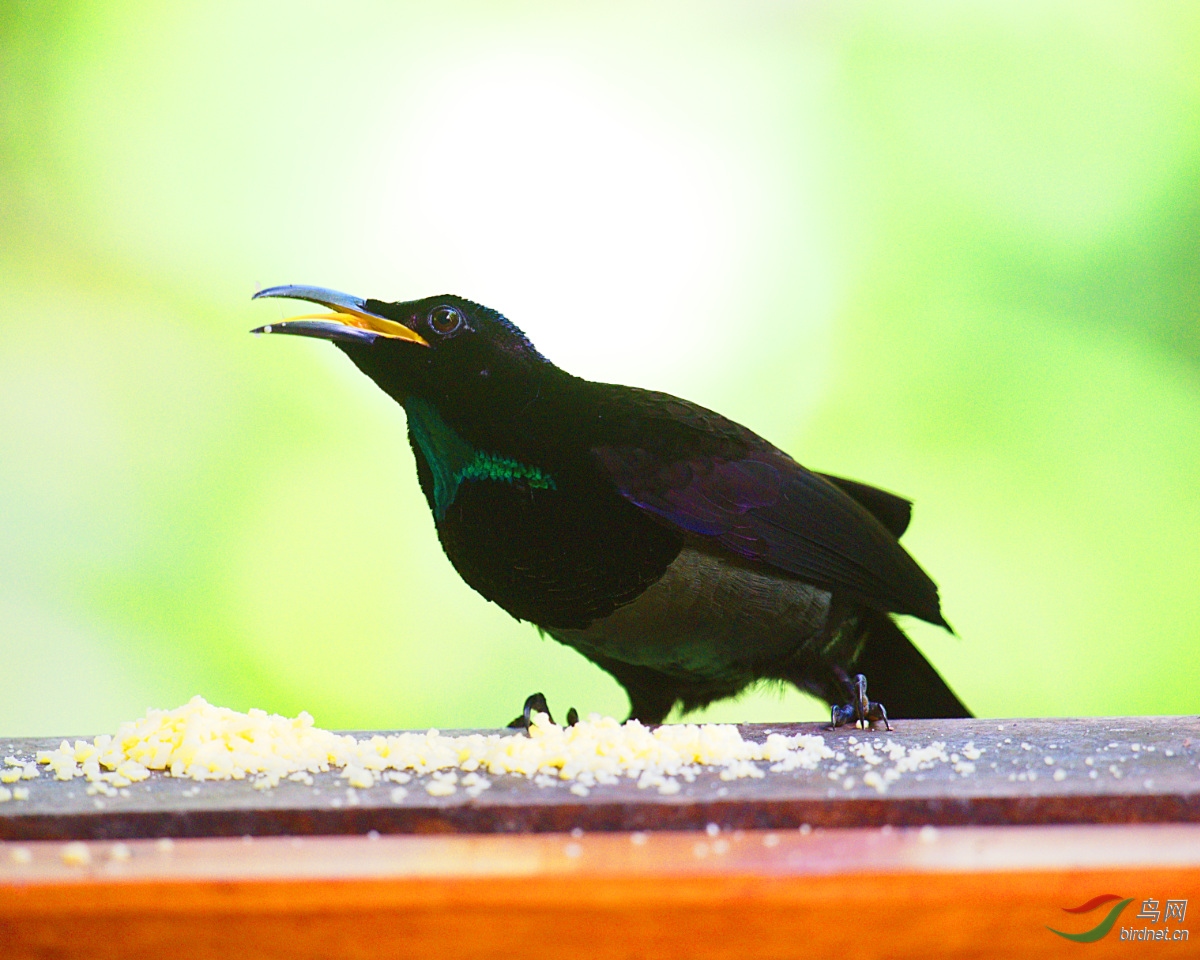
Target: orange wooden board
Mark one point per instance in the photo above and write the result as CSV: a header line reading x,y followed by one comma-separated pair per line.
x,y
966,891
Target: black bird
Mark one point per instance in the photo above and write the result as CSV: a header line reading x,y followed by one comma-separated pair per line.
x,y
674,548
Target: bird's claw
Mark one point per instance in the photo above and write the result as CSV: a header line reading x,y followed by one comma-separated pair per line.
x,y
536,703
860,710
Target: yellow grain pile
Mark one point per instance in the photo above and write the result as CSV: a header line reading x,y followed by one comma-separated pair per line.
x,y
203,742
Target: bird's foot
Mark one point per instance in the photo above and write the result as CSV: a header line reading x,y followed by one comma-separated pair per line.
x,y
859,710
536,703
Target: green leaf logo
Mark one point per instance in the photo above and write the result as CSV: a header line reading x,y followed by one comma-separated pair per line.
x,y
1101,929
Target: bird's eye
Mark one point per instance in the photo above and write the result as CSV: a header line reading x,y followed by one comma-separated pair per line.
x,y
445,319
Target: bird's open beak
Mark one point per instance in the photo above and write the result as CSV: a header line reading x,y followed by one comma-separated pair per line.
x,y
350,321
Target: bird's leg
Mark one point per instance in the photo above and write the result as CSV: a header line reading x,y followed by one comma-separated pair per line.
x,y
853,711
535,702
572,717
860,710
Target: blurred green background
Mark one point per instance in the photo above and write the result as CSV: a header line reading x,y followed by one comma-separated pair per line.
x,y
952,250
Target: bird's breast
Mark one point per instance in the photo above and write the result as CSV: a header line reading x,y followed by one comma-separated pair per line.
x,y
553,556
557,546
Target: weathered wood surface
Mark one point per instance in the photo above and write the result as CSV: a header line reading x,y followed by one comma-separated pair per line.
x,y
1125,770
867,893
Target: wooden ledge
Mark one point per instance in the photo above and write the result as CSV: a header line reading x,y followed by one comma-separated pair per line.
x,y
1124,770
724,869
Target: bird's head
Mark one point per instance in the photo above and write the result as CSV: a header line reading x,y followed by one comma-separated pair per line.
x,y
445,349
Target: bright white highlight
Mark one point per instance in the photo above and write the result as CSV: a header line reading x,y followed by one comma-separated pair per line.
x,y
616,239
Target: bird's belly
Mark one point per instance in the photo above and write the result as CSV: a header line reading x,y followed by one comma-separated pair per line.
x,y
708,617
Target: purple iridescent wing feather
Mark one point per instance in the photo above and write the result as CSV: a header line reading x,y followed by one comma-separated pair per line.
x,y
756,502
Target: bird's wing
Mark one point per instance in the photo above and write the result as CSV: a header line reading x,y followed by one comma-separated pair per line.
x,y
892,511
712,478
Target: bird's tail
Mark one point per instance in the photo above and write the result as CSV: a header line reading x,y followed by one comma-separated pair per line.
x,y
898,676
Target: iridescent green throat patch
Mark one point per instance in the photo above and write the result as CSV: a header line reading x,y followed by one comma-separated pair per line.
x,y
452,460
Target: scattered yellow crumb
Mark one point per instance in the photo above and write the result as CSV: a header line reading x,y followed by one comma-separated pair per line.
x,y
76,854
440,788
872,779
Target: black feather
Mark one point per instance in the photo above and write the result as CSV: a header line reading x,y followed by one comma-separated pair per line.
x,y
892,511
